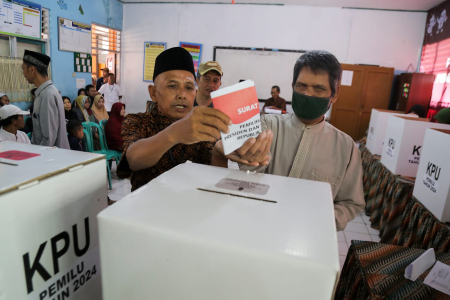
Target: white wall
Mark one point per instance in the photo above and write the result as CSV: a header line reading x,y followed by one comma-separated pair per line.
x,y
385,38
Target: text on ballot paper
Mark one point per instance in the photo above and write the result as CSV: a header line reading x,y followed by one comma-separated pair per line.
x,y
241,104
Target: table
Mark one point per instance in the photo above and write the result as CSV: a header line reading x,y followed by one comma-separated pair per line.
x,y
401,219
376,271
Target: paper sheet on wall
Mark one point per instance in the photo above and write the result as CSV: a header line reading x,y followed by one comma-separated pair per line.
x,y
81,83
347,78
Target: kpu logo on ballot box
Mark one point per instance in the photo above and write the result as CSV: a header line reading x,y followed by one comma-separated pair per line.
x,y
371,132
415,157
431,177
61,284
241,104
391,147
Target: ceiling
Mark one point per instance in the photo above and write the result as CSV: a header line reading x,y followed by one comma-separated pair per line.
x,y
415,5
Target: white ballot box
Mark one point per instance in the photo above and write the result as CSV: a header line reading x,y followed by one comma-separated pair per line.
x,y
49,200
403,142
432,187
199,232
377,128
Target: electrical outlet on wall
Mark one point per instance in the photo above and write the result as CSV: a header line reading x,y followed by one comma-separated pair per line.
x,y
73,74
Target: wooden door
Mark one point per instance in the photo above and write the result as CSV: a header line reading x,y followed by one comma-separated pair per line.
x,y
370,88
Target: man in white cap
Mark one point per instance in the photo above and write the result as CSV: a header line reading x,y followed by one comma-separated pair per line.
x,y
4,100
11,121
209,79
49,124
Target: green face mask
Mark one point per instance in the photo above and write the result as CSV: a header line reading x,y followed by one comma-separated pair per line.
x,y
309,107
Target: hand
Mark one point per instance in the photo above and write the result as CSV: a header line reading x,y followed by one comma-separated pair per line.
x,y
201,124
256,150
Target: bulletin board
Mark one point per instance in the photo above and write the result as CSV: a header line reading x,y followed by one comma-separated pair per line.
x,y
266,67
74,36
151,51
196,52
82,62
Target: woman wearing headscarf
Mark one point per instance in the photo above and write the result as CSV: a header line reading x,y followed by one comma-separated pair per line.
x,y
83,103
113,128
98,110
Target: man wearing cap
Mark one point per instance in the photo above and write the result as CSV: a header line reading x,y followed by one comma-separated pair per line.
x,y
173,132
49,126
209,79
11,121
111,92
102,80
4,100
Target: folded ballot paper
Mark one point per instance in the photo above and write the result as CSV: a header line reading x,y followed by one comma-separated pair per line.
x,y
241,104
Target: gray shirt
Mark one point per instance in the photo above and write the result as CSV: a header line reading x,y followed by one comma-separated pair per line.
x,y
49,126
319,152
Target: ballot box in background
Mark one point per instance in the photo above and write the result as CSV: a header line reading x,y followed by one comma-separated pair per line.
x,y
377,128
432,186
49,200
199,232
403,143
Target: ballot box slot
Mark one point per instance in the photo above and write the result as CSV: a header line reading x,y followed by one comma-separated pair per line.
x,y
236,195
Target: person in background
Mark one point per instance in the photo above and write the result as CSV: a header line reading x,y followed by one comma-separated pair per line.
x,y
275,102
4,100
308,147
82,92
98,110
11,121
75,135
102,80
111,92
33,96
84,104
69,112
49,125
113,128
418,110
209,79
91,92
443,116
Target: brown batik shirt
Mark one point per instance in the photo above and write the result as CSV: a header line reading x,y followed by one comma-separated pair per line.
x,y
145,125
279,103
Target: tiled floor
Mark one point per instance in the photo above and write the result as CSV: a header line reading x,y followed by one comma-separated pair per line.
x,y
357,229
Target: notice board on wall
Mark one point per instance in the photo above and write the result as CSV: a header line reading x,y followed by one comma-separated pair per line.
x,y
151,51
74,36
196,52
82,62
21,18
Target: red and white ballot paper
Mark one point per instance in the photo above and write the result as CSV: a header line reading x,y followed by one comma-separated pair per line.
x,y
241,104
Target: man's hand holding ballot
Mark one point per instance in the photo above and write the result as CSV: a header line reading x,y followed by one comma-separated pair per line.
x,y
174,132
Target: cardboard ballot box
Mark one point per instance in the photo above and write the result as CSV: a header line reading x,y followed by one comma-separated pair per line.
x,y
377,128
49,199
201,232
403,143
432,187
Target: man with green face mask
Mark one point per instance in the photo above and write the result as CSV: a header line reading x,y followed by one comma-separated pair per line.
x,y
307,147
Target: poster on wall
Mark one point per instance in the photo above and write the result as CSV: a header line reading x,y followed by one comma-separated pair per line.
x,y
435,57
195,50
20,18
74,36
151,51
82,62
